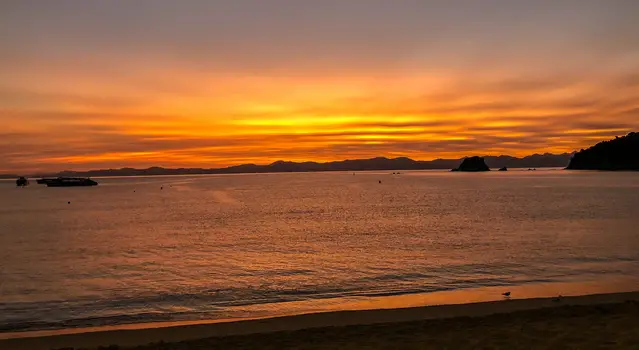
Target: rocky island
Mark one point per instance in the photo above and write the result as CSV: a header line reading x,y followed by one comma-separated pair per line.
x,y
472,164
622,153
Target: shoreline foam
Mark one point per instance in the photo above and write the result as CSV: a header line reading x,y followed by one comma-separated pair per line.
x,y
128,337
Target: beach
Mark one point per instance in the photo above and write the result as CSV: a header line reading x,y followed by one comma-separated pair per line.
x,y
590,321
319,174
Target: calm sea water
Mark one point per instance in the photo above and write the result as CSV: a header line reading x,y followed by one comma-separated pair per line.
x,y
212,247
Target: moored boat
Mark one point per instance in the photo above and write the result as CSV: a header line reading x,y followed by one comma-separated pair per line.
x,y
67,182
22,181
44,181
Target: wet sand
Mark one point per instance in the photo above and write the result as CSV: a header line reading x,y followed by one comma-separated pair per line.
x,y
590,321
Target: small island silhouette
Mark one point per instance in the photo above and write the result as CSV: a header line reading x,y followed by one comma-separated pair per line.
x,y
621,153
472,164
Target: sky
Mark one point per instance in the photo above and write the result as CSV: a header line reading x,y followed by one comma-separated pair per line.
x,y
88,84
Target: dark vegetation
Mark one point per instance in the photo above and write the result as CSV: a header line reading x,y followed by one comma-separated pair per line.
x,y
622,153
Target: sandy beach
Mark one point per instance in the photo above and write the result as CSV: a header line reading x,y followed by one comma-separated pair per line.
x,y
601,320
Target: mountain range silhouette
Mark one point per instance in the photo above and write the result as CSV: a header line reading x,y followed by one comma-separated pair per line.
x,y
377,163
621,153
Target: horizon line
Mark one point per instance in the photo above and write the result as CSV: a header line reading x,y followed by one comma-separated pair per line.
x,y
56,172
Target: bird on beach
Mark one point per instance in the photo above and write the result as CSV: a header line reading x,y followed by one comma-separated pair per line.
x,y
507,294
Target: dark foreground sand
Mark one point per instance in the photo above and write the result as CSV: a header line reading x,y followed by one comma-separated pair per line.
x,y
583,322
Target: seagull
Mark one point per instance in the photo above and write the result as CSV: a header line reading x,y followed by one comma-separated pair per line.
x,y
507,294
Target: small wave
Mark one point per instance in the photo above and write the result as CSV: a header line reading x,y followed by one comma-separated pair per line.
x,y
597,259
216,303
33,325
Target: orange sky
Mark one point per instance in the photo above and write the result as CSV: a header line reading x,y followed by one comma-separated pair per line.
x,y
75,94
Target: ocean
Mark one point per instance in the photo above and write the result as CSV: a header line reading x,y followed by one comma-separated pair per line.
x,y
188,248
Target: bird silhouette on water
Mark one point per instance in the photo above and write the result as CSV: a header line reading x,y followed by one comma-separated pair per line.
x,y
507,294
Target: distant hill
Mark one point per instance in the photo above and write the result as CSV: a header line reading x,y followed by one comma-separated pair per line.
x,y
378,163
622,153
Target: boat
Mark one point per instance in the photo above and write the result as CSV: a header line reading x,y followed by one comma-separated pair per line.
x,y
67,182
22,181
44,181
